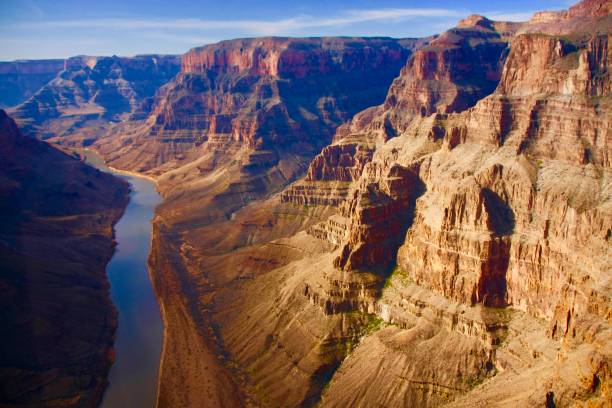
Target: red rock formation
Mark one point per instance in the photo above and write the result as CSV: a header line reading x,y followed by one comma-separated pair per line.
x,y
447,75
453,72
514,213
267,94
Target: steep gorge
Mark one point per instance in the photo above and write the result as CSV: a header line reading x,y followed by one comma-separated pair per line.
x,y
468,221
451,246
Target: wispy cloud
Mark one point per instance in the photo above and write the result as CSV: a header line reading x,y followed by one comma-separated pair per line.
x,y
260,27
40,37
503,16
180,38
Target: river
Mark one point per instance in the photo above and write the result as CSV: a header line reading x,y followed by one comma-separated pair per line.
x,y
138,343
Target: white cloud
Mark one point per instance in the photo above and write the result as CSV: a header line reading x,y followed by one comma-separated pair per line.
x,y
501,16
257,27
181,39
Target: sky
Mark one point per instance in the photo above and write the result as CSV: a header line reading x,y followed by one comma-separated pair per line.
x,y
37,29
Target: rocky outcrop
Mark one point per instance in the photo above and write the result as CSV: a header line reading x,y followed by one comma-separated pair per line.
x,y
379,216
451,74
57,217
522,118
448,74
91,90
19,80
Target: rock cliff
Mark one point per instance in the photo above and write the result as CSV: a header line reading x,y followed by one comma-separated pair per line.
x,y
57,217
449,74
19,80
466,218
269,94
515,213
91,93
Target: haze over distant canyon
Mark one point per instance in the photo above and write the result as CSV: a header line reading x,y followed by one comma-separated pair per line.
x,y
344,221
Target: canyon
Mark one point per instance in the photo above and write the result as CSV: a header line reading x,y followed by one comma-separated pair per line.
x,y
366,221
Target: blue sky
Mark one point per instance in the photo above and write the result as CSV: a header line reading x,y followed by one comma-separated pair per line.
x,y
31,29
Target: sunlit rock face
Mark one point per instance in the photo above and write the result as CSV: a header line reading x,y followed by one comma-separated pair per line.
x,y
514,210
450,246
94,91
263,94
19,80
449,74
550,108
494,213
56,237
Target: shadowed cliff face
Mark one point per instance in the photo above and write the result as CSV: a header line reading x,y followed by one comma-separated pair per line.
x,y
93,92
19,80
56,218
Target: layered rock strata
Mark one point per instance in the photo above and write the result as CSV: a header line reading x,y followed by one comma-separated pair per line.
x,y
263,94
19,80
475,230
449,74
91,93
512,186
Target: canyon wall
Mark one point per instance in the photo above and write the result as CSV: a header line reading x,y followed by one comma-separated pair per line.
x,y
56,237
271,95
449,247
19,80
450,74
515,213
91,93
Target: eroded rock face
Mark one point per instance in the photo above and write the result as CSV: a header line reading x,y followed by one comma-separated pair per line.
x,y
446,248
264,94
19,80
89,90
526,113
453,72
57,217
513,212
512,186
448,74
